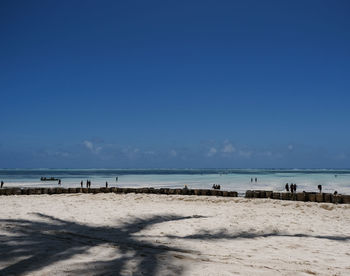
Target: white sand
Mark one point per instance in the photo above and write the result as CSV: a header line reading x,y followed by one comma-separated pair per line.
x,y
110,234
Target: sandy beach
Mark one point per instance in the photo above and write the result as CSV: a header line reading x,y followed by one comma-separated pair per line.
x,y
144,234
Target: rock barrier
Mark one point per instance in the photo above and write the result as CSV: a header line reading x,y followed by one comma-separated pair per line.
x,y
303,196
259,194
117,190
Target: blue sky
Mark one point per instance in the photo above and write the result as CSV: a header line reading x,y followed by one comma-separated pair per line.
x,y
175,84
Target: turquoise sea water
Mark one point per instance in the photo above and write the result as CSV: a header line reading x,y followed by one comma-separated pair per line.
x,y
229,179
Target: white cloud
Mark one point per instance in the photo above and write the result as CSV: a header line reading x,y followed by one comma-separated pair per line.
x,y
90,146
212,152
228,148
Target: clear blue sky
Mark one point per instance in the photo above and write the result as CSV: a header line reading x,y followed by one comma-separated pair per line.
x,y
129,84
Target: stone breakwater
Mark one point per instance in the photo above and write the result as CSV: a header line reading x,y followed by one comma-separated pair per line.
x,y
51,191
304,196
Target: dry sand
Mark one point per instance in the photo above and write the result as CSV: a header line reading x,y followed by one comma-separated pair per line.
x,y
142,234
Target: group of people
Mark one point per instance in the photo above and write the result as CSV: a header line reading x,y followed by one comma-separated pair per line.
x,y
292,188
88,184
216,186
251,179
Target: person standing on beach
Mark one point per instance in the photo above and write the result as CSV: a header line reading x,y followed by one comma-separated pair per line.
x,y
256,179
2,184
81,184
320,188
287,187
106,184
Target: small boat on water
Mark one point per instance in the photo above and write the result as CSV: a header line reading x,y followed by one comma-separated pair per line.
x,y
49,179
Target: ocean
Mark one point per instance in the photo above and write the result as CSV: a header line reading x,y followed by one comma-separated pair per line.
x,y
229,179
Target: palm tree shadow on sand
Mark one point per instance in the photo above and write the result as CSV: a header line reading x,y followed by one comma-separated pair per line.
x,y
31,245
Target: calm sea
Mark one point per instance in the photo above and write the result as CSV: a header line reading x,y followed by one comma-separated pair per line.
x,y
229,179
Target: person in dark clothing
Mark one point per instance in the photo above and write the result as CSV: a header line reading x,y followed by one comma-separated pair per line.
x,y
320,188
292,188
81,184
2,184
106,184
287,187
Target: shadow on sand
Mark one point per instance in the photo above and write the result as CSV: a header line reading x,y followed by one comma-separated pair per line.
x,y
31,245
206,235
